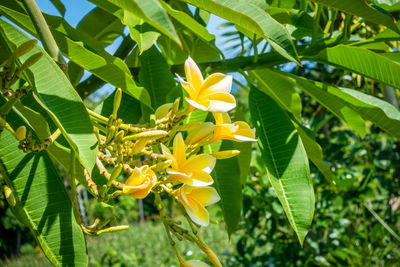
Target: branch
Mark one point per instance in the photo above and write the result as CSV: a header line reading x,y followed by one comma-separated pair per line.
x,y
44,32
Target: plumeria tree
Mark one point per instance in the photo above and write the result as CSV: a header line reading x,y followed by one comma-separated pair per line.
x,y
166,131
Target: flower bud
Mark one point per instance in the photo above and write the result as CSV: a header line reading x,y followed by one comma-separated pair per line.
x,y
9,196
138,147
201,133
161,165
162,111
24,48
117,102
20,133
29,62
149,135
225,154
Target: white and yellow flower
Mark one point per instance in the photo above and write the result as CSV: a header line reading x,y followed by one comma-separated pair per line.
x,y
238,131
211,94
195,199
194,171
140,182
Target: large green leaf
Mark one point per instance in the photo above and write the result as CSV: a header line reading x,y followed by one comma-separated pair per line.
x,y
108,68
189,23
253,19
361,9
286,160
314,152
228,184
280,89
389,5
58,97
361,61
332,103
340,100
33,115
245,148
101,26
156,76
283,91
152,12
140,31
42,203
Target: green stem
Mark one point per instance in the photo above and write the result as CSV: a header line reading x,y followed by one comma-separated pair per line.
x,y
317,15
44,32
255,59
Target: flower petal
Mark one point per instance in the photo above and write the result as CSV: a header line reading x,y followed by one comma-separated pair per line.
x,y
198,213
169,156
192,92
202,162
205,195
201,178
196,105
222,118
220,102
179,150
216,83
193,73
199,133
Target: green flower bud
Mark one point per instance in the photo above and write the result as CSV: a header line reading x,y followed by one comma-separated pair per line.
x,y
20,133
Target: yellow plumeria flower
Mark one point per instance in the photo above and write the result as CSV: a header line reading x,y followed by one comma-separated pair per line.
x,y
238,131
211,94
195,199
194,171
140,182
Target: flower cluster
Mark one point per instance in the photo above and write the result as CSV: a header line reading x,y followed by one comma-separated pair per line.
x,y
189,171
167,155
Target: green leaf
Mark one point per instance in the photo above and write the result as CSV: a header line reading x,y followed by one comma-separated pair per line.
x,y
334,104
153,13
108,68
228,184
361,61
360,8
253,19
42,203
367,107
245,148
314,152
196,115
33,115
140,31
286,160
59,6
371,108
389,5
156,76
101,26
58,98
189,23
279,88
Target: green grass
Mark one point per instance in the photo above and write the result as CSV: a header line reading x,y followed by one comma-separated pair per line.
x,y
142,245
